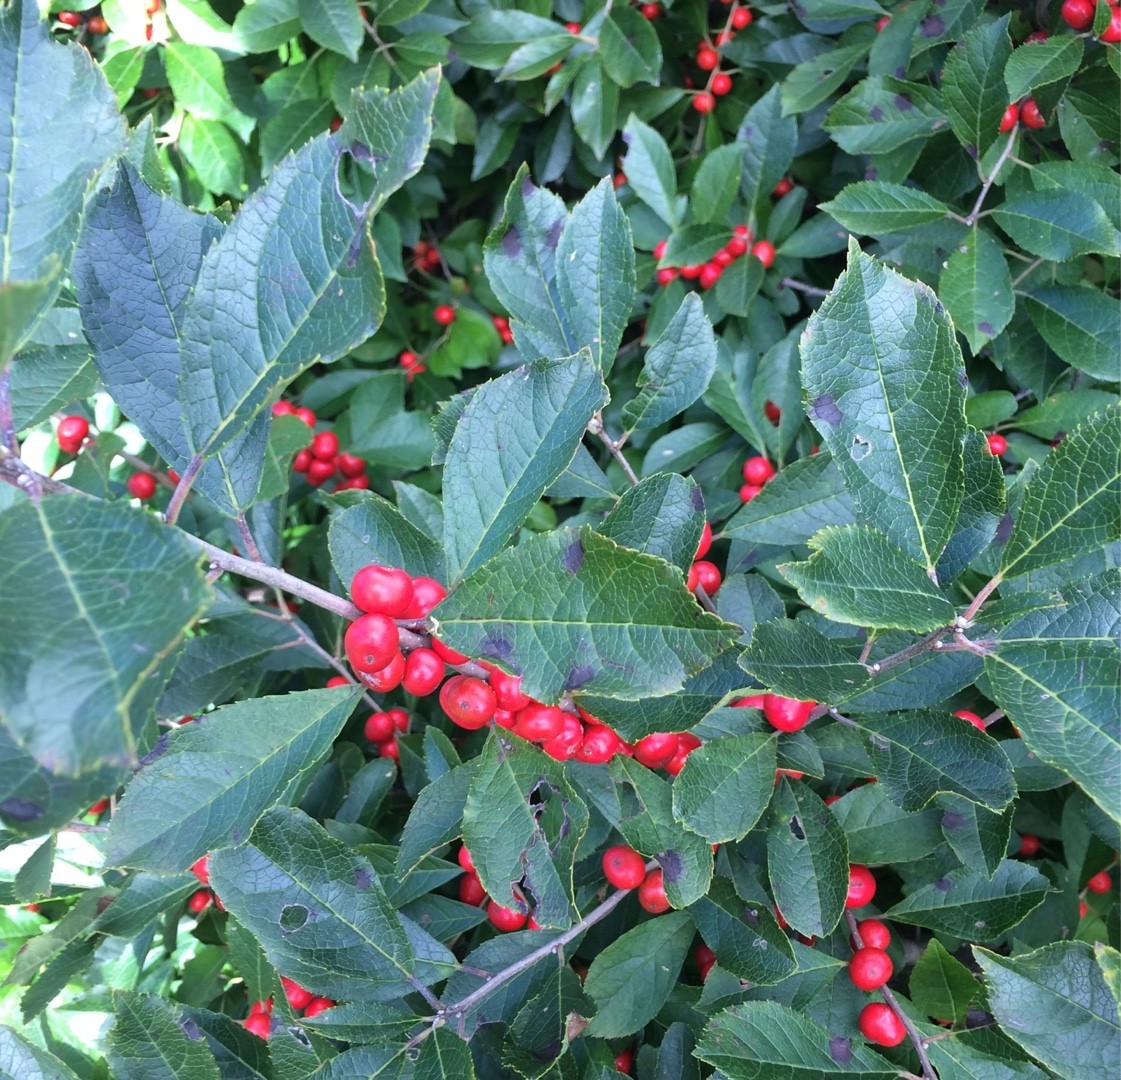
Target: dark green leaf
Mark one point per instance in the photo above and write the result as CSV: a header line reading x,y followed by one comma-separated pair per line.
x,y
198,80
648,166
595,107
979,837
23,1060
878,207
1058,225
745,936
955,1059
981,510
1041,63
725,786
769,139
976,287
662,515
147,1042
444,1056
629,48
334,24
373,531
1062,412
879,832
436,817
746,600
941,986
214,153
817,79
1081,323
792,658
33,879
882,114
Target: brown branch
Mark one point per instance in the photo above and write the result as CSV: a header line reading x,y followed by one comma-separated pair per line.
x,y
971,220
183,488
802,287
595,426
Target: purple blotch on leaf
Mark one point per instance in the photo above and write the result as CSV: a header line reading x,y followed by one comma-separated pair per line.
x,y
512,242
527,188
555,230
932,26
986,328
672,864
903,103
698,500
580,675
876,113
825,409
497,648
573,557
1004,529
951,820
943,885
363,879
840,1049
20,809
191,1030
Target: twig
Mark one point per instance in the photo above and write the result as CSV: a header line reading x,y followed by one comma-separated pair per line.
x,y
842,719
183,488
867,650
802,287
971,220
595,426
993,717
1024,273
251,548
913,1032
7,423
966,617
931,641
143,466
704,599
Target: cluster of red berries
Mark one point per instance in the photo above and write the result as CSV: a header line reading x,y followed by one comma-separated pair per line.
x,y
321,459
259,1020
501,917
757,472
1024,112
94,24
1079,15
708,59
702,573
202,898
71,435
426,256
625,868
782,713
706,275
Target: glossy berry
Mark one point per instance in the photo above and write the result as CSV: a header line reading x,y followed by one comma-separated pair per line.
x,y
705,542
1030,116
504,918
379,727
784,187
318,1005
424,671
787,714
141,485
704,102
1009,118
325,446
508,690
749,491
655,751
1112,33
1029,846
446,652
350,465
862,887
297,996
736,247
71,433
468,701
539,723
385,678
874,934
879,1024
650,12
970,718
1078,14
709,275
427,593
705,959
721,84
97,25
201,869
705,575
1083,909
764,251
306,415
444,314
691,273
69,18
623,867
382,590
320,471
998,444
1101,882
687,742
870,968
302,461
600,745
565,745
624,1061
471,890
757,470
666,275
199,901
259,1023
707,59
752,701
741,18
463,857
660,248
652,893
772,412
370,642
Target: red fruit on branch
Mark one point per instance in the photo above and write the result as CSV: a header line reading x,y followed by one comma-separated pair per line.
x,y
758,470
708,59
504,918
370,642
385,678
141,485
870,968
862,887
655,751
297,996
787,714
71,433
539,723
874,934
318,1005
623,867
424,671
998,444
652,893
764,251
971,718
704,102
879,1024
1101,882
1077,14
444,314
382,590
1030,116
468,701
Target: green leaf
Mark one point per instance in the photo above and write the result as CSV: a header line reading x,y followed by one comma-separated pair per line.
x,y
967,904
23,1060
147,1042
517,434
805,496
1054,671
436,817
990,407
334,24
979,837
318,910
489,38
595,107
981,510
694,244
746,937
769,139
793,658
955,1059
59,109
677,368
197,78
662,515
884,381
1041,63
631,979
807,860
725,786
648,166
766,1039
919,755
1056,1004
976,287
882,114
1072,504
973,84
1058,225
595,273
214,153
816,80
221,773
290,128
444,1056
857,575
716,184
629,49
1080,323
879,832
747,600
1062,412
33,879
879,207
68,604
572,611
374,531
941,986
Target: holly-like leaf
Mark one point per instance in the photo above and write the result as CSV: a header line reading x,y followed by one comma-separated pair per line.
x,y
629,49
1073,503
221,773
1081,323
374,531
58,109
1058,225
1041,63
879,832
648,166
878,207
725,786
1055,672
969,905
979,837
920,754
515,436
23,1060
883,379
765,1038
881,114
976,287
807,860
1056,1004
677,368
631,979
793,658
662,515
940,985
572,611
857,575
147,1042
84,661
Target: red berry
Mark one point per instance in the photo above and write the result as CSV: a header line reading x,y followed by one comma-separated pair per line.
x,y
998,444
708,576
1112,33
424,671
881,23
370,642
427,593
505,719
199,900
971,718
69,18
741,17
379,727
297,996
623,867
1037,35
707,59
790,774
665,275
468,701
772,412
657,750
724,37
565,745
721,84
862,887
385,678
71,433
264,1007
1083,909
709,275
508,690
784,187
201,869
446,652
572,27
660,248
259,1023
319,471
141,485
652,893
463,857
879,1024
742,231
723,259
705,542
1101,882
97,25
691,273
302,461
400,719
1078,14
736,247
624,1060
831,799
408,359
539,723
753,701
874,934
382,590
504,918
705,959
1029,846
787,714
350,465
444,314
306,415
318,1005
748,492
870,968
599,746
650,12
764,251
757,470
471,890
1030,116
325,446
704,102
619,179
